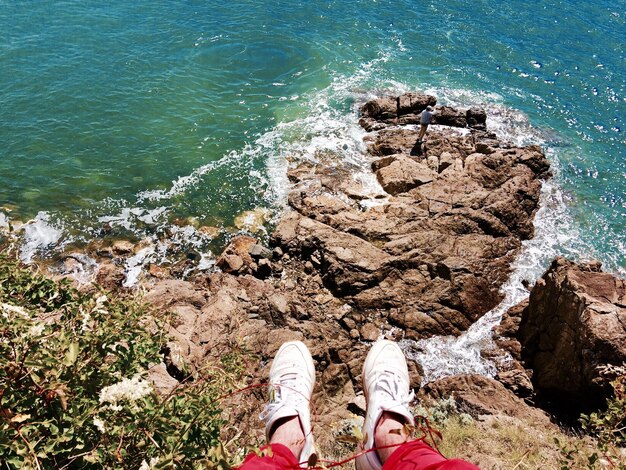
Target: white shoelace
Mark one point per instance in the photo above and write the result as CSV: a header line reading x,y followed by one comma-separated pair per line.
x,y
288,392
390,383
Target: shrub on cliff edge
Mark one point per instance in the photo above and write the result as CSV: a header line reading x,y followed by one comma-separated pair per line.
x,y
73,385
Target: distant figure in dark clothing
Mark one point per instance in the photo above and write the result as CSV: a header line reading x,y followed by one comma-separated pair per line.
x,y
425,118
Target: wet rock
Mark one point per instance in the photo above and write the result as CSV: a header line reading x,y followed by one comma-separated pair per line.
x,y
381,109
476,118
110,276
253,221
575,322
236,257
449,116
370,124
158,271
210,231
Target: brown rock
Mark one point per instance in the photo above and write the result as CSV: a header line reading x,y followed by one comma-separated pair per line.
x,y
122,248
209,231
414,103
394,141
476,118
334,378
449,116
369,332
575,323
110,276
164,384
171,292
479,396
236,256
517,381
348,263
381,109
403,174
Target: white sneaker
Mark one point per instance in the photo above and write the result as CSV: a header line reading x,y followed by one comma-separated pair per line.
x,y
292,377
386,387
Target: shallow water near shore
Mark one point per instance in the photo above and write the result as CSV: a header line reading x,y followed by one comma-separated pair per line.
x,y
150,121
130,119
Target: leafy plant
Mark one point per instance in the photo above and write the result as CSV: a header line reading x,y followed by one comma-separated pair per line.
x,y
610,425
74,388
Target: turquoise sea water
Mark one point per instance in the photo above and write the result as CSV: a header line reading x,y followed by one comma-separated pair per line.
x,y
152,118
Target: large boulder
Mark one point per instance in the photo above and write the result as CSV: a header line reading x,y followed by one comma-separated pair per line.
x,y
348,264
449,116
402,174
381,109
414,103
574,324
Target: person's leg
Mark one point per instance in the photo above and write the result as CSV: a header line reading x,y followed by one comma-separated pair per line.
x,y
387,391
422,134
273,457
417,455
287,416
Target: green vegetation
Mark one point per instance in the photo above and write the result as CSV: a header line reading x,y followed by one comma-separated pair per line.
x,y
74,388
609,425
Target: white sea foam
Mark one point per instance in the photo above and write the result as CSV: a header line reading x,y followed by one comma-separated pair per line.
x,y
84,271
38,234
134,265
4,221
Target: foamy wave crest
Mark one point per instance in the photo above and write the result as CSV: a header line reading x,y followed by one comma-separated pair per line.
x,y
39,234
4,221
183,183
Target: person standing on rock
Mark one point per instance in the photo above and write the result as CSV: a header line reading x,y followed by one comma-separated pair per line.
x,y
425,118
386,444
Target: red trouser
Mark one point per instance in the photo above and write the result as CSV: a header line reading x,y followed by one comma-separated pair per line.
x,y
414,455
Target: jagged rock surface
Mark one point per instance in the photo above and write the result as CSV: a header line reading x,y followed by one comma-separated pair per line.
x,y
574,323
427,259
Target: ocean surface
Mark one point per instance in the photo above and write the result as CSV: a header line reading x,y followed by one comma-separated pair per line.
x,y
152,119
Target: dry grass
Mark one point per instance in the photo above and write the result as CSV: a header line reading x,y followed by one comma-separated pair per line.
x,y
494,443
502,442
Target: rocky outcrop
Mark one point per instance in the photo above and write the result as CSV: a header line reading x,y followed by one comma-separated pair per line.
x,y
432,257
574,324
405,109
481,396
426,257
